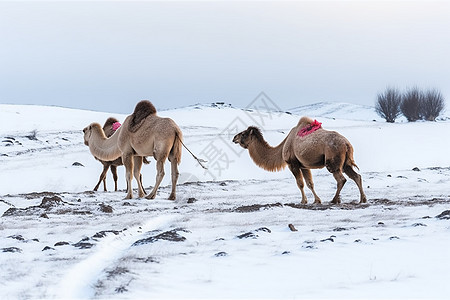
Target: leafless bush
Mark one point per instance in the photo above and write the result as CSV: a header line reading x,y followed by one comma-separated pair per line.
x,y
388,103
432,105
411,104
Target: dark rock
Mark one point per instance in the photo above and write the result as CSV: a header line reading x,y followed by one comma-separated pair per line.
x,y
191,200
256,207
419,225
77,164
358,241
394,238
126,203
445,215
292,228
49,202
83,244
221,254
286,252
248,235
121,289
171,236
263,229
17,237
103,233
61,244
106,208
146,259
340,229
330,239
48,248
10,212
309,247
12,250
416,169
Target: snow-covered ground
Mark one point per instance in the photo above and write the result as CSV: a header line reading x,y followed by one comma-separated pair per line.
x,y
227,235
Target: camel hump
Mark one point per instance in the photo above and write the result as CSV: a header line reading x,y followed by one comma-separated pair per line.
x,y
109,122
142,110
108,126
304,121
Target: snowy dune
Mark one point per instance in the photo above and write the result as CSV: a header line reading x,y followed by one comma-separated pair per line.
x,y
227,234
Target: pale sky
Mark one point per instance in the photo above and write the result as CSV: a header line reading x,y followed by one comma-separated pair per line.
x,y
108,55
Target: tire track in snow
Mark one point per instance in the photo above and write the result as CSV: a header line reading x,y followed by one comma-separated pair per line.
x,y
79,281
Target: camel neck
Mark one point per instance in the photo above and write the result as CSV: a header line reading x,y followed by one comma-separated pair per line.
x,y
267,157
105,148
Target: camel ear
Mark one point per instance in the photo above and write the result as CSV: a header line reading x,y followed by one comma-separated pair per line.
x,y
251,131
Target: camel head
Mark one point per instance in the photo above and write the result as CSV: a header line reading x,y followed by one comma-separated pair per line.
x,y
88,130
247,136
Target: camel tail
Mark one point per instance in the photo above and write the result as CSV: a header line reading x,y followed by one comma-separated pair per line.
x,y
179,140
175,152
349,161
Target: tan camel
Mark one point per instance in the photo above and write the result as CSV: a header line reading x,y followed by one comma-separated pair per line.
x,y
109,129
143,133
302,152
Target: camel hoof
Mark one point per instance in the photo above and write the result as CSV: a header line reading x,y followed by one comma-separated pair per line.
x,y
317,202
363,201
151,197
304,202
172,197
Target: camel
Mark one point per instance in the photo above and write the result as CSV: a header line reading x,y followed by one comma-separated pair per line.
x,y
109,128
143,133
307,146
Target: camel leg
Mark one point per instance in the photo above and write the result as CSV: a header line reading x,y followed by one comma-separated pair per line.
x,y
114,173
128,163
175,174
309,182
159,177
295,169
340,179
358,180
102,178
137,174
142,183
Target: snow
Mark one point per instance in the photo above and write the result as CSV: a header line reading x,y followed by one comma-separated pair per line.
x,y
226,236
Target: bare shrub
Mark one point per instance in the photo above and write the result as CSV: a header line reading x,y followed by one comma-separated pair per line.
x,y
388,103
411,104
432,105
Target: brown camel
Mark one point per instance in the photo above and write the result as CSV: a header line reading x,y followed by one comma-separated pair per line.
x,y
143,133
109,129
304,149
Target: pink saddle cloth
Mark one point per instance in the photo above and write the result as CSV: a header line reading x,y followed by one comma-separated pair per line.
x,y
116,126
309,129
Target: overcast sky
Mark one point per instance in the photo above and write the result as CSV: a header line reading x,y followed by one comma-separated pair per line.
x,y
108,55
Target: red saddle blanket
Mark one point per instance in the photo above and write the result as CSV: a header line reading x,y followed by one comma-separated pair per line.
x,y
309,129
